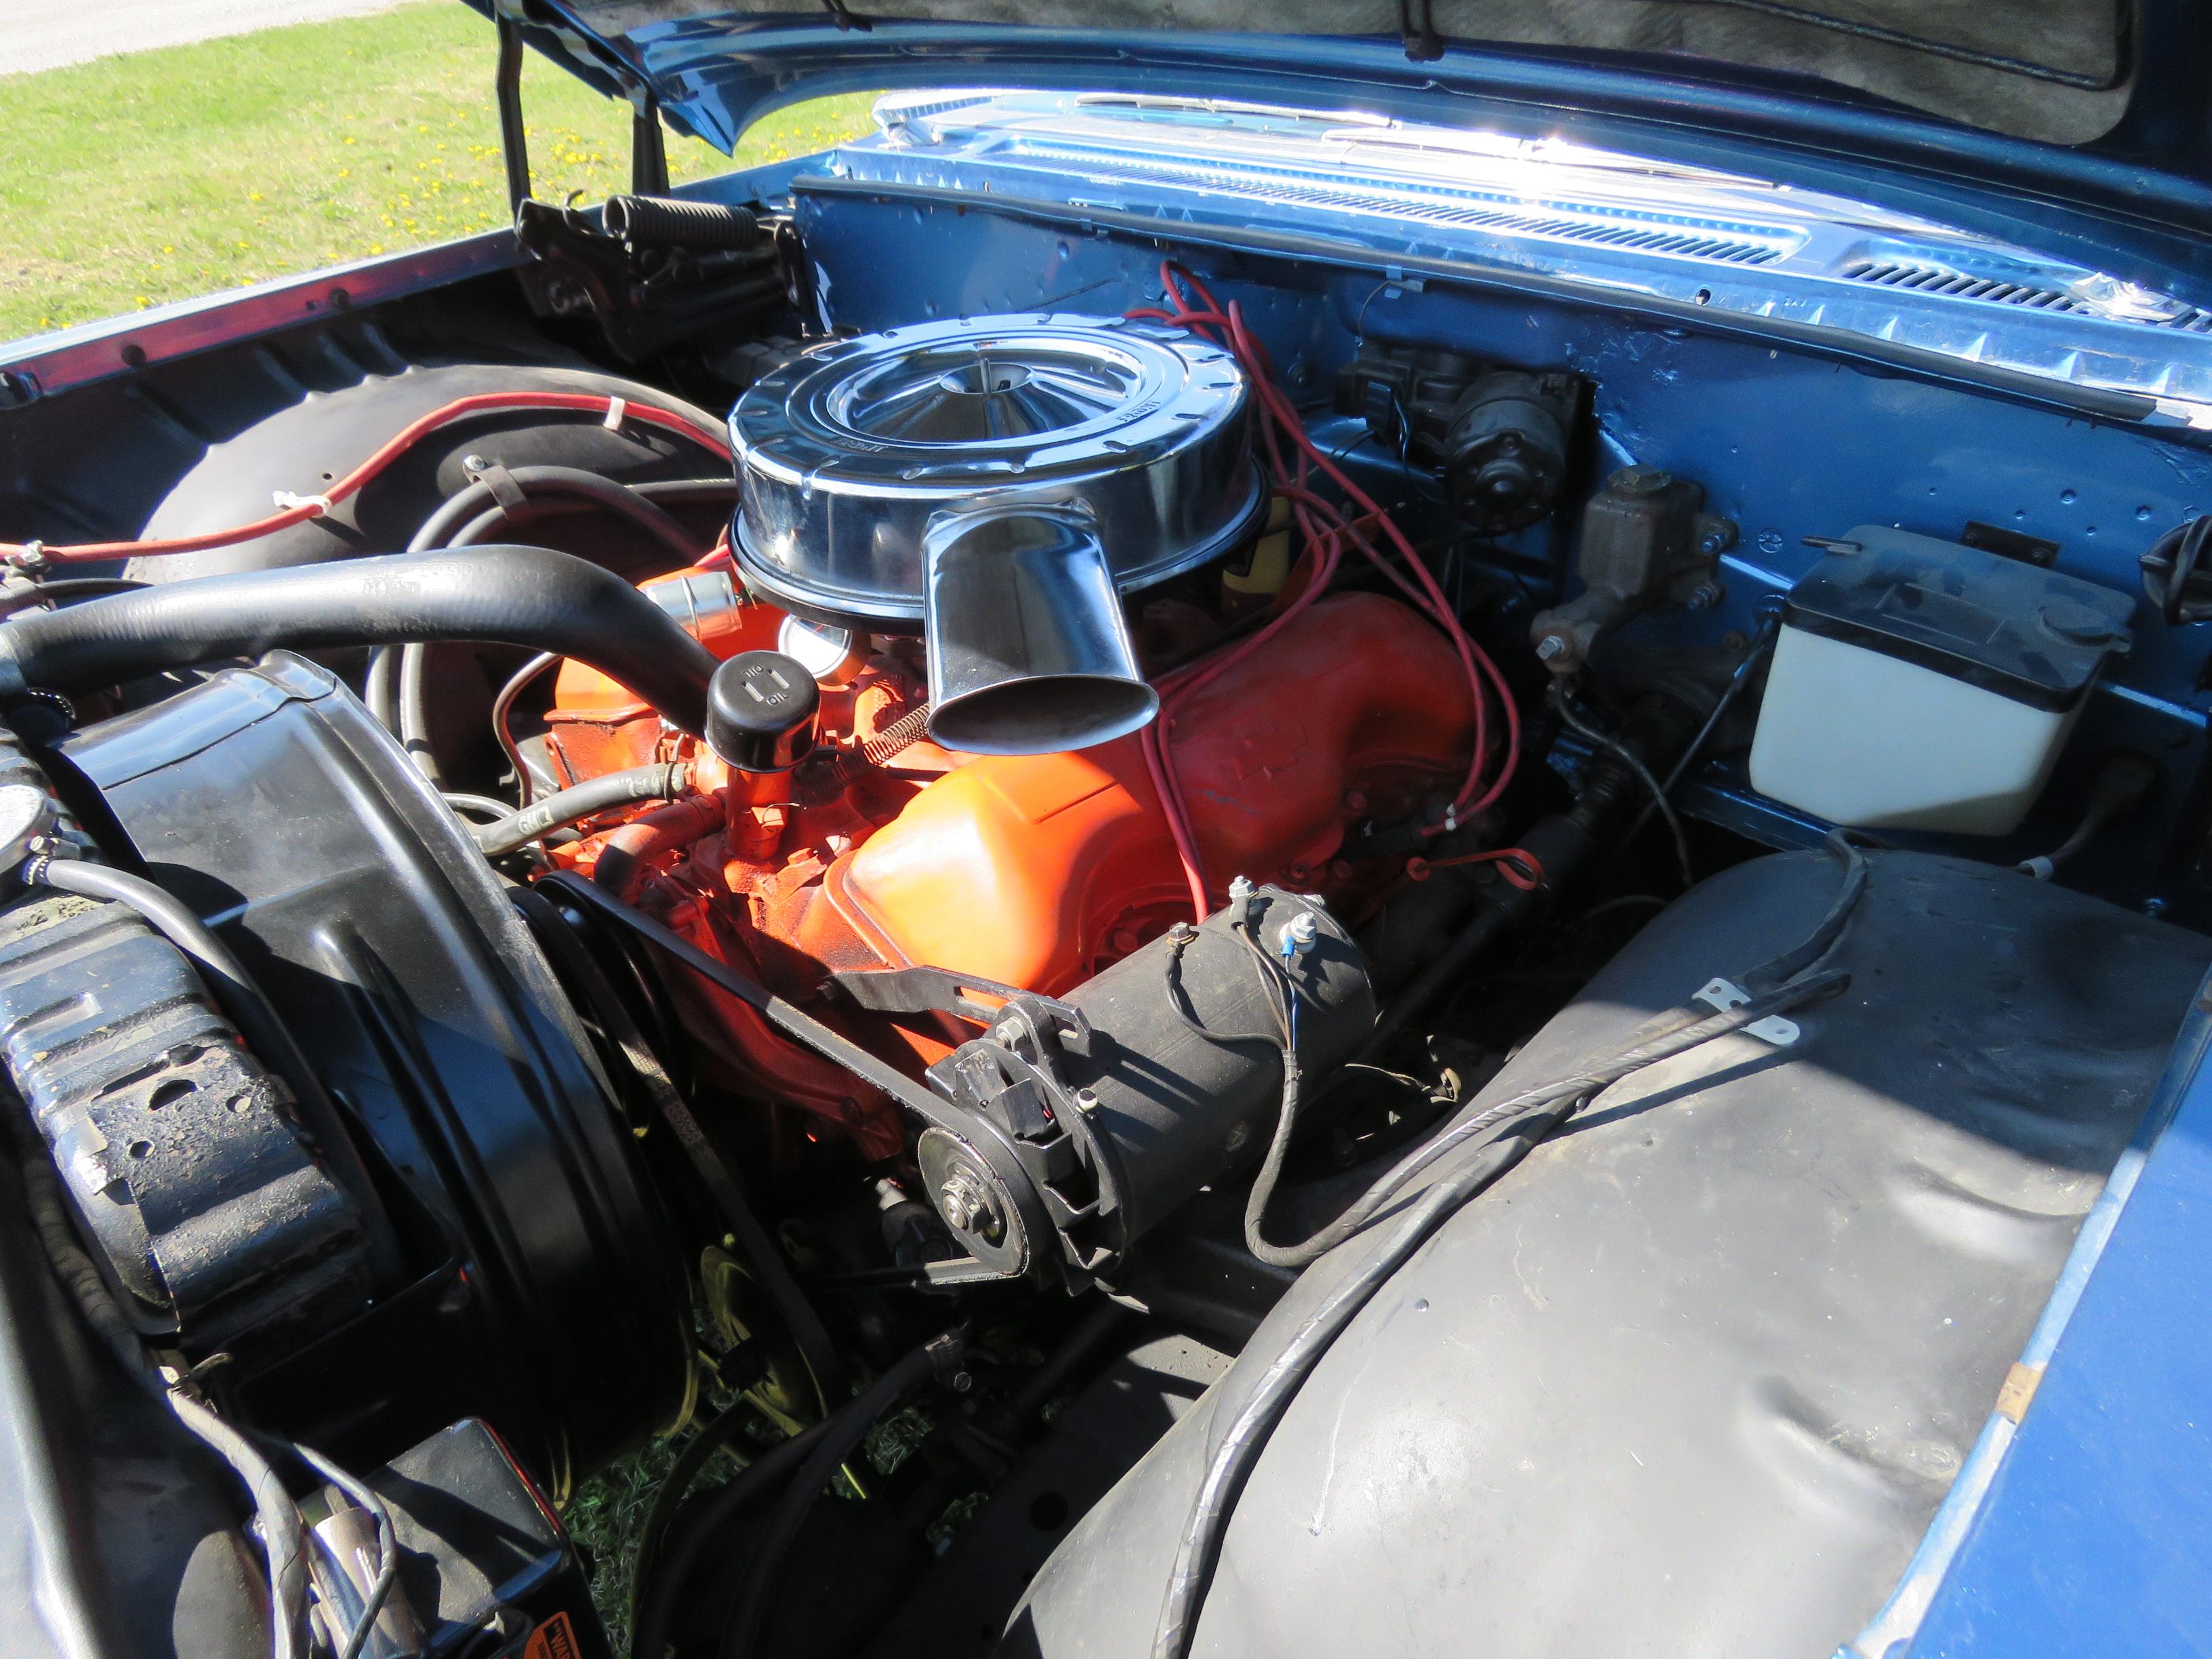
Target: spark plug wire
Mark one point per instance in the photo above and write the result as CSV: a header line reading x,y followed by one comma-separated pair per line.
x,y
1293,460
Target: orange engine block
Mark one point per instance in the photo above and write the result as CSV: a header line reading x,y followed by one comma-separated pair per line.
x,y
1034,871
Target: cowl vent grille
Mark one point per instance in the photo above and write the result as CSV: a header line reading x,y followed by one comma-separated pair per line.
x,y
1646,239
1933,279
1992,290
1559,222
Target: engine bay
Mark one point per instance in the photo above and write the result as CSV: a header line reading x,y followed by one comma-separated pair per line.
x,y
1059,933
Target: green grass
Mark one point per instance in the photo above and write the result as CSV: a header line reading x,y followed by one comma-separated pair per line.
x,y
608,1513
162,175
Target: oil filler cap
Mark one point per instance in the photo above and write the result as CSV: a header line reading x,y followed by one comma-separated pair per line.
x,y
761,710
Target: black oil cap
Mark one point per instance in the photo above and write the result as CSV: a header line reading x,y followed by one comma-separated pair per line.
x,y
761,707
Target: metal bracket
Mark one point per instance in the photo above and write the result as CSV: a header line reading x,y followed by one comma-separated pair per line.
x,y
1721,995
1036,1028
1032,1025
506,494
921,1275
643,298
507,83
649,145
924,990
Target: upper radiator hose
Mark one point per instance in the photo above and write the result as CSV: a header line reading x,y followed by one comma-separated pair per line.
x,y
525,596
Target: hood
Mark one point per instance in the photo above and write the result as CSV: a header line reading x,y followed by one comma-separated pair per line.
x,y
2093,94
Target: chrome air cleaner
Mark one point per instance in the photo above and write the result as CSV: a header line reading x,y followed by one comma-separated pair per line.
x,y
998,481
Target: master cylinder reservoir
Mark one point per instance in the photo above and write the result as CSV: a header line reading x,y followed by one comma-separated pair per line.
x,y
1920,685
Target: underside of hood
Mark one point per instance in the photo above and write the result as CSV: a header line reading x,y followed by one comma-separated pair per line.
x,y
2058,72
2106,79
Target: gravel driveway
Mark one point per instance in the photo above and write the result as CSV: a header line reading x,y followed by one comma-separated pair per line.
x,y
39,34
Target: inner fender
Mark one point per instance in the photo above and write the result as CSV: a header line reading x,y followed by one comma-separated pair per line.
x,y
1693,1378
316,441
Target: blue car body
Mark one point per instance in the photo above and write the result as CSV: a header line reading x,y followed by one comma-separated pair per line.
x,y
2082,1522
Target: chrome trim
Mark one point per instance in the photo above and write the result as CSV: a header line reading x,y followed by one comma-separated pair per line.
x,y
1028,651
847,453
705,604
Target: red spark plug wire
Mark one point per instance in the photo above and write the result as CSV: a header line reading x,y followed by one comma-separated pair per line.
x,y
1325,528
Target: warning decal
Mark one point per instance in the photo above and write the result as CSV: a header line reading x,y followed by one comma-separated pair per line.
x,y
554,1639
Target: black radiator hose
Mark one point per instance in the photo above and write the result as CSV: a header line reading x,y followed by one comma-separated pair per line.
x,y
505,595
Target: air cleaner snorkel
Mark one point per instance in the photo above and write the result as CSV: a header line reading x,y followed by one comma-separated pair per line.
x,y
1028,651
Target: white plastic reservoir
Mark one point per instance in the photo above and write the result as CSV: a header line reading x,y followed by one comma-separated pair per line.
x,y
1920,685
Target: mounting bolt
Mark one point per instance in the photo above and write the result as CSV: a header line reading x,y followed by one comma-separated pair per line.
x,y
1299,933
1703,596
1550,648
1241,890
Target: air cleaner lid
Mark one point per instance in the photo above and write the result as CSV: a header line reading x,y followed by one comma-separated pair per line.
x,y
846,453
2023,632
